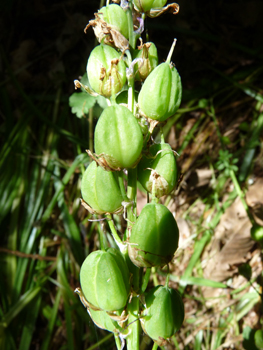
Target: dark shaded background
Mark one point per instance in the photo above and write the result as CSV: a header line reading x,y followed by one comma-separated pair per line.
x,y
44,44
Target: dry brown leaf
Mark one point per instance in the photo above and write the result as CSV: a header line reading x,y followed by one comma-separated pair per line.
x,y
184,231
233,232
200,177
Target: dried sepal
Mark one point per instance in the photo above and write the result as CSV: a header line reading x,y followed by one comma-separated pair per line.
x,y
85,301
93,212
157,170
101,160
100,317
105,33
158,11
148,53
119,318
79,85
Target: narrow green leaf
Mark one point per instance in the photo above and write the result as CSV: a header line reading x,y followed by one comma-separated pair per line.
x,y
199,281
246,303
30,324
198,340
23,301
79,159
68,318
198,249
96,346
51,323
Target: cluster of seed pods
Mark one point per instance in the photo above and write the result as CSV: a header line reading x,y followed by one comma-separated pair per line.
x,y
141,95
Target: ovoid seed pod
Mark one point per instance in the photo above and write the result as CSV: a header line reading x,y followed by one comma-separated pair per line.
x,y
164,313
104,279
159,168
115,16
148,52
118,137
161,93
158,3
154,237
106,70
100,189
256,232
143,5
258,337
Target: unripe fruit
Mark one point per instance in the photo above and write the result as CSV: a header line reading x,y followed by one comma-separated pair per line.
x,y
161,93
159,3
106,70
100,189
148,52
104,279
160,170
115,16
143,5
164,313
154,237
118,137
256,232
258,337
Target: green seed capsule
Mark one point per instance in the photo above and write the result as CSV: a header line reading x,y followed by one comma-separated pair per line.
x,y
158,3
115,16
164,314
104,279
160,170
154,237
161,93
100,189
258,337
256,232
106,71
118,137
148,52
143,5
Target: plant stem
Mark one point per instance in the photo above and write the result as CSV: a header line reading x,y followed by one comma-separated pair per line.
x,y
132,36
133,339
146,279
101,236
131,193
91,129
117,342
122,188
155,346
155,279
241,195
115,234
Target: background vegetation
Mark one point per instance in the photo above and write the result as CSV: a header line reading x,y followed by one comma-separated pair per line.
x,y
45,235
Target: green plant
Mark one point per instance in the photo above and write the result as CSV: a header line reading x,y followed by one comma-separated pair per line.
x,y
164,313
154,237
113,281
157,171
